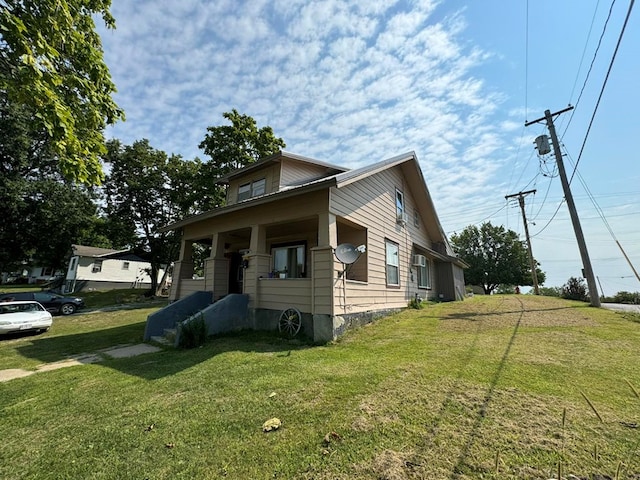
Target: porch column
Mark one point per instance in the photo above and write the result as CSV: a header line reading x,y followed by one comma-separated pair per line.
x,y
327,230
323,279
216,270
182,269
258,263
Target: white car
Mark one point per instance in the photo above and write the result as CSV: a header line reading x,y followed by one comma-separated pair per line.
x,y
24,316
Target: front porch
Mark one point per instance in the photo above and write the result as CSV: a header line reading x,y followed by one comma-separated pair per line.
x,y
278,266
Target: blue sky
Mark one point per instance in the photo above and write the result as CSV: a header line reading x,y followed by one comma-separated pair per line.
x,y
352,83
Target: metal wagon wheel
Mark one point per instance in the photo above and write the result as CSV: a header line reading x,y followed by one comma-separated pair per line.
x,y
290,322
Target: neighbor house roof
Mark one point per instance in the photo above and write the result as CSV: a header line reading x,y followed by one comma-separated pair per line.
x,y
95,252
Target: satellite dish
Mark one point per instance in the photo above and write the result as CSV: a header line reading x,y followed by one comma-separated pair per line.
x,y
347,253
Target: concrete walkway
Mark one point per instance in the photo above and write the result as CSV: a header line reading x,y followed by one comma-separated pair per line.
x,y
625,307
122,351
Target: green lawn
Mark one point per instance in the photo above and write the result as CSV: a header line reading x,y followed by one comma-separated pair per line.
x,y
493,387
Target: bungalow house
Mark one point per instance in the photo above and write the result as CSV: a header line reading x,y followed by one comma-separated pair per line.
x,y
93,268
335,246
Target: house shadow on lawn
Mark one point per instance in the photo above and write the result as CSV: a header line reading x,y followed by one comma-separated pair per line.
x,y
150,366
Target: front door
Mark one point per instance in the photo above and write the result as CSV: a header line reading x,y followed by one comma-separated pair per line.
x,y
236,273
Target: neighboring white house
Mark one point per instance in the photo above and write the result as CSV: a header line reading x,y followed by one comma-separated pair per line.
x,y
92,268
39,274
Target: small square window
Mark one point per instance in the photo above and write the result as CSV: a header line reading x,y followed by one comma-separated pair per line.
x,y
125,266
97,266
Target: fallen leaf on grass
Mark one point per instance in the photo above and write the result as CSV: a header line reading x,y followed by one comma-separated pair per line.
x,y
170,445
271,424
272,394
150,427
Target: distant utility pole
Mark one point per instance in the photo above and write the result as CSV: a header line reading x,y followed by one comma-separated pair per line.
x,y
586,262
532,262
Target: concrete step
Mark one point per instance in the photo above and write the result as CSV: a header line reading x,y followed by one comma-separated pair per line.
x,y
170,334
161,340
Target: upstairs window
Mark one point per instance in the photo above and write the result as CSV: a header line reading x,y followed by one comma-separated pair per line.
x,y
258,187
244,192
399,204
252,189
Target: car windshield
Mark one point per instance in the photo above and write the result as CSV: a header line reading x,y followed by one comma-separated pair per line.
x,y
20,307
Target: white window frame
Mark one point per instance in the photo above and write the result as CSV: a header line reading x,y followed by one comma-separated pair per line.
x,y
424,275
392,263
400,207
288,271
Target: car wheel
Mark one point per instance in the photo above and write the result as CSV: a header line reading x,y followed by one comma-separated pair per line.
x,y
67,308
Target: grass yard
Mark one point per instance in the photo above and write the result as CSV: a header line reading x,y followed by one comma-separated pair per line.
x,y
500,387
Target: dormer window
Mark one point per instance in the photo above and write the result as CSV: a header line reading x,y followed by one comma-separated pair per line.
x,y
244,192
258,187
251,189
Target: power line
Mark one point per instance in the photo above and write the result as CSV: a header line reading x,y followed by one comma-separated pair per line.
x,y
593,60
604,84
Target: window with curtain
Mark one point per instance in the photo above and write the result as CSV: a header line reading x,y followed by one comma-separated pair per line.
x,y
289,261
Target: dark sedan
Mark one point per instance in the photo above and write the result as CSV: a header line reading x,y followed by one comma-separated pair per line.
x,y
51,301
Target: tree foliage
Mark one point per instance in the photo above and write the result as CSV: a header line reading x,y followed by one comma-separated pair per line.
x,y
145,191
51,60
495,255
43,214
236,146
575,289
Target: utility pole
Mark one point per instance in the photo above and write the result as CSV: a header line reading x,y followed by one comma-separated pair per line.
x,y
532,263
586,262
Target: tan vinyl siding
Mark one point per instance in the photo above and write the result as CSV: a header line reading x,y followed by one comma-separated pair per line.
x,y
278,294
298,173
187,287
271,174
371,203
323,278
281,211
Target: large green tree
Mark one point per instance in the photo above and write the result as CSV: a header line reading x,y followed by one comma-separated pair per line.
x,y
496,256
42,213
51,60
146,190
236,146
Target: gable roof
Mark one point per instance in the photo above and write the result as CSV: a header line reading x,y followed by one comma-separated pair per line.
x,y
275,158
407,161
105,253
94,252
